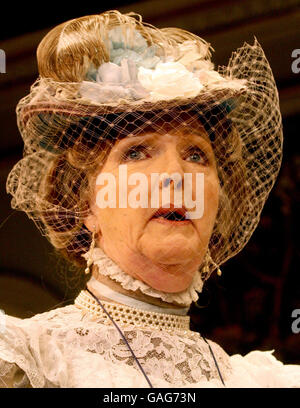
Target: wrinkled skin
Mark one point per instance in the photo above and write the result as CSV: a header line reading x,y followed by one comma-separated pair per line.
x,y
163,255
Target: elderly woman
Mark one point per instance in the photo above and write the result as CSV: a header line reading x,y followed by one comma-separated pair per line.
x,y
149,168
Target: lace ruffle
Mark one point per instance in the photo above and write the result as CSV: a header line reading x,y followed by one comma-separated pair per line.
x,y
109,268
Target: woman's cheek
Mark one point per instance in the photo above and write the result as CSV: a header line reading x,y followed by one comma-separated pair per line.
x,y
211,197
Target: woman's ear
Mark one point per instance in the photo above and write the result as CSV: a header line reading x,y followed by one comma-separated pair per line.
x,y
91,223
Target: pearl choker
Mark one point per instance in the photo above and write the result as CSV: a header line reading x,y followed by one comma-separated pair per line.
x,y
132,316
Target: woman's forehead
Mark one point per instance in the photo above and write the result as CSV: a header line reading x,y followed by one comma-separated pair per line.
x,y
179,133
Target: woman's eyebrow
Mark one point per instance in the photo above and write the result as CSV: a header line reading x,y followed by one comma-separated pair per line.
x,y
201,139
195,135
151,136
141,138
192,136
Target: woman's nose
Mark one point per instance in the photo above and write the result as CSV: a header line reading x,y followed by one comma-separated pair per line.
x,y
171,163
168,180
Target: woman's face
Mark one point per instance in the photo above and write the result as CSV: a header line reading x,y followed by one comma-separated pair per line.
x,y
144,245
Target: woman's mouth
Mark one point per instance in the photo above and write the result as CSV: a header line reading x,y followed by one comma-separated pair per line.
x,y
171,216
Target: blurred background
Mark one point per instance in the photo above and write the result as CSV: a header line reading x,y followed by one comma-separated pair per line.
x,y
250,306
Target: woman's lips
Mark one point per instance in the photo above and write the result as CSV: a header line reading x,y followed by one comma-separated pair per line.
x,y
163,220
166,215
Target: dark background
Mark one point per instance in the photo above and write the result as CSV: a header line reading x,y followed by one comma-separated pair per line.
x,y
250,306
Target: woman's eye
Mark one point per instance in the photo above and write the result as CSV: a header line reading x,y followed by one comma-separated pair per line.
x,y
196,155
139,152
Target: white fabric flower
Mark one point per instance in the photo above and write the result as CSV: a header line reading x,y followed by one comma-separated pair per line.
x,y
114,83
214,80
109,73
209,76
169,80
193,57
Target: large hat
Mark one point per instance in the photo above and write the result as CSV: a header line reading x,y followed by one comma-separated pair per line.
x,y
107,76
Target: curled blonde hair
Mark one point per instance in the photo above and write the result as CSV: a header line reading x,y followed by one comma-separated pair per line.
x,y
66,52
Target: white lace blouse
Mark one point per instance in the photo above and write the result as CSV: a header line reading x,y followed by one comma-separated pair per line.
x,y
67,347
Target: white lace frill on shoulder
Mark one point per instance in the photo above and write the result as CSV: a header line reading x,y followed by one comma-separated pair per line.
x,y
66,347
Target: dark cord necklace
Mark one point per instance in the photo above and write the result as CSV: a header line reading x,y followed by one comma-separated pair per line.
x,y
132,352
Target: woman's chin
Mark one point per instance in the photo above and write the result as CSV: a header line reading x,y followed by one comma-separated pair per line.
x,y
167,279
169,253
169,286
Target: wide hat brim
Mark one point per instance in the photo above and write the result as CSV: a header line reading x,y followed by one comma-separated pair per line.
x,y
47,119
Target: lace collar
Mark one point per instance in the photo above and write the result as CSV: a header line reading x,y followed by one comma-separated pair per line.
x,y
109,268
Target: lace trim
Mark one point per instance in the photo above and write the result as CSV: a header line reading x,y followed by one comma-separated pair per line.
x,y
109,268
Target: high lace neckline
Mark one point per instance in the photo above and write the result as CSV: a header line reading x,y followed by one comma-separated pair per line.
x,y
131,316
107,267
100,289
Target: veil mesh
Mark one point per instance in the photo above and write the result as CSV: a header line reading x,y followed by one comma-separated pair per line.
x,y
110,76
